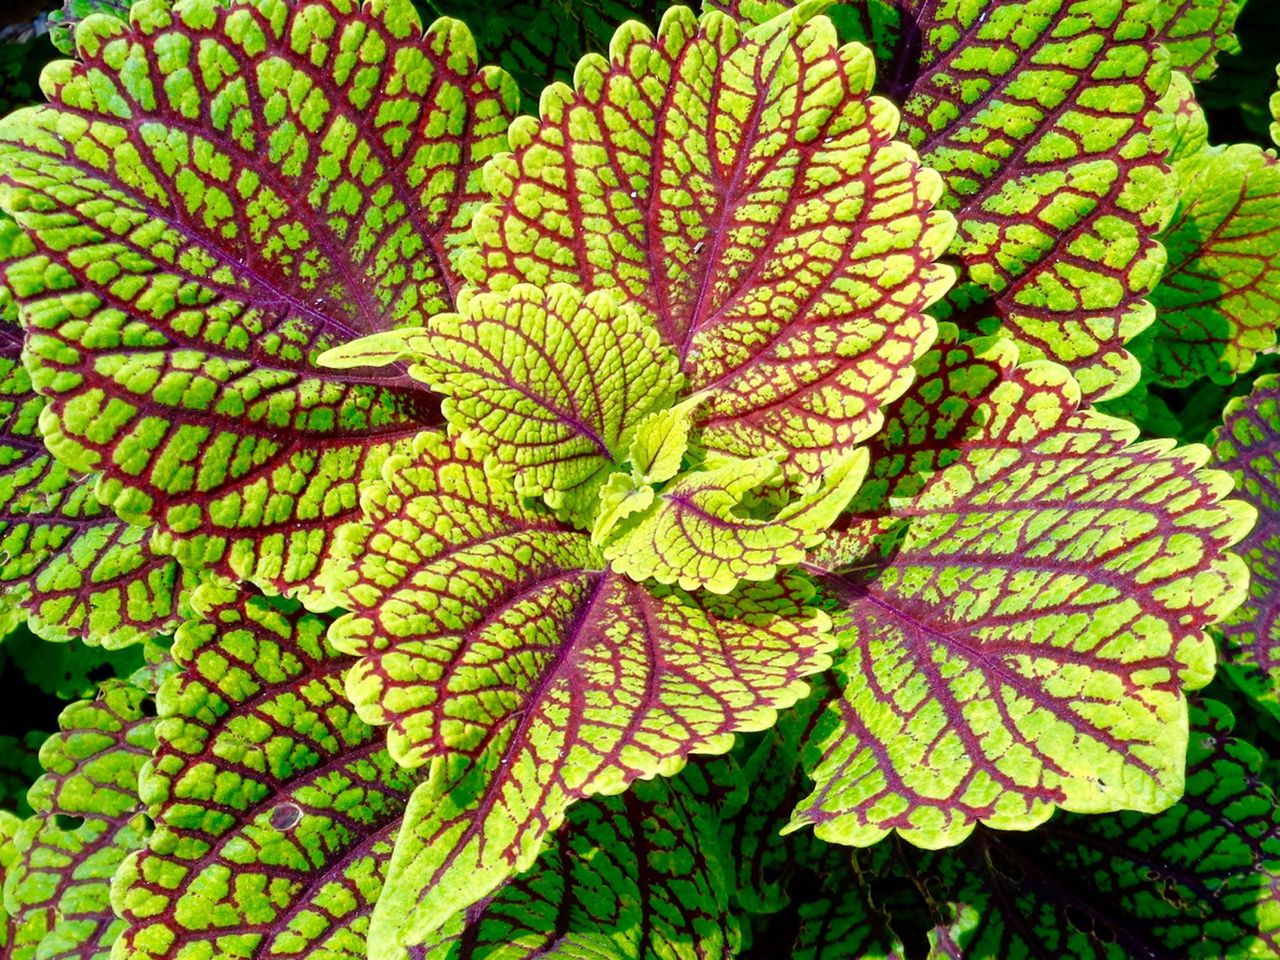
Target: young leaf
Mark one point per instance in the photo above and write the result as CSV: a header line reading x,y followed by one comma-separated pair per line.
x,y
275,806
550,384
1218,301
1025,591
1196,882
1196,31
743,190
693,535
87,819
64,558
216,195
1042,119
504,655
1248,445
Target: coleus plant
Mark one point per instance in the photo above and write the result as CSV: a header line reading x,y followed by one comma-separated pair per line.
x,y
720,511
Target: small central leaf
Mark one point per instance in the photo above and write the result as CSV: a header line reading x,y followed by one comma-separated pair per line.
x,y
549,384
695,535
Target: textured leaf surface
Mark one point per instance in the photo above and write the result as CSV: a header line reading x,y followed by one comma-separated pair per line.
x,y
502,653
744,191
1218,301
217,195
1248,445
275,806
694,535
88,818
1196,31
63,22
1025,591
1193,882
626,878
550,384
64,557
1041,118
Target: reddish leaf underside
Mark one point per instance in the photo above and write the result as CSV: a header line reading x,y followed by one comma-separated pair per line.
x,y
1248,445
217,194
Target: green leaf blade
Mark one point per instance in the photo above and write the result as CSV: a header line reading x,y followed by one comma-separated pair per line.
x,y
275,805
212,214
88,820
546,679
754,207
1021,615
550,384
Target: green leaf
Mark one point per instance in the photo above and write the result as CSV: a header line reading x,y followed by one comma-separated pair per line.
x,y
63,22
504,656
1196,31
620,497
694,533
550,384
275,805
660,443
8,827
1218,301
743,190
1248,445
1197,881
216,195
66,559
1043,119
626,878
1025,592
88,818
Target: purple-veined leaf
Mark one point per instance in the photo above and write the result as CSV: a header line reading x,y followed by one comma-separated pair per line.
x,y
65,559
216,195
550,384
626,878
276,809
1196,882
1196,31
1042,118
504,656
1218,301
1248,445
693,534
275,805
88,818
745,192
1025,593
